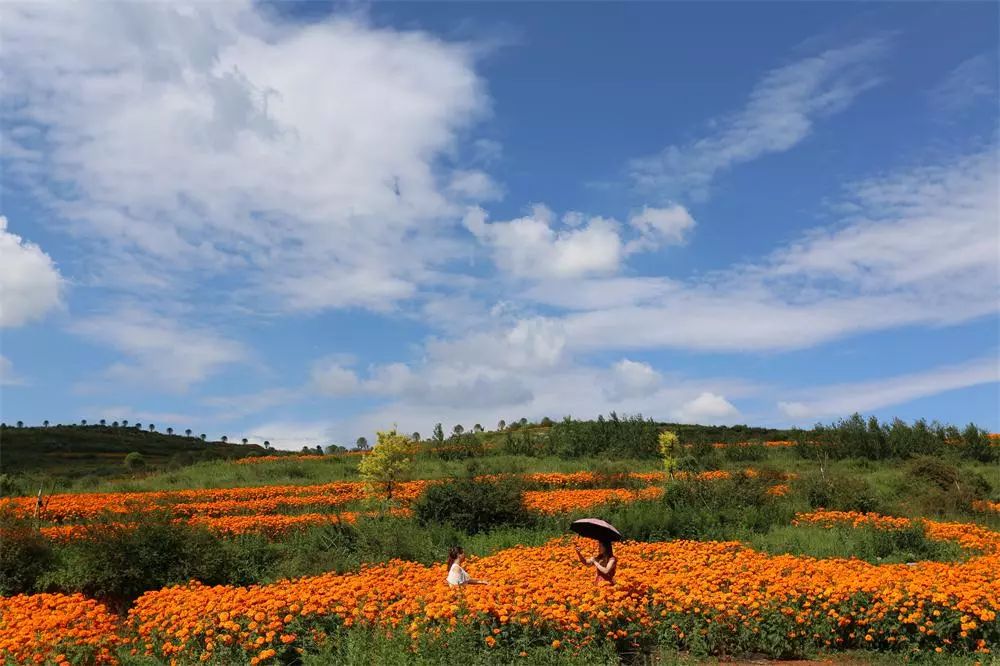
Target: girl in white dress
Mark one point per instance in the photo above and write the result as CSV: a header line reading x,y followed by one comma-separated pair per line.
x,y
456,574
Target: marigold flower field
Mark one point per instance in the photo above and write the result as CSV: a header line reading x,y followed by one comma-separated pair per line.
x,y
678,593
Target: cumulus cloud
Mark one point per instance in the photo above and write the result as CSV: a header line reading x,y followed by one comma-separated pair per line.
x,y
311,165
707,408
633,379
780,113
661,226
842,400
531,247
30,284
331,378
163,353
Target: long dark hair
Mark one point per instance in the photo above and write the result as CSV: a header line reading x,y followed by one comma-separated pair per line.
x,y
453,554
607,550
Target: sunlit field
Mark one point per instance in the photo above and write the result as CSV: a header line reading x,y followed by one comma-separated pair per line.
x,y
780,549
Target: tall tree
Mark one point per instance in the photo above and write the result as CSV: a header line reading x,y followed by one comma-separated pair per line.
x,y
245,441
362,443
438,433
187,433
170,431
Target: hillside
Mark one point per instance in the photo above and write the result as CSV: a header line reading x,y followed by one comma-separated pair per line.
x,y
77,450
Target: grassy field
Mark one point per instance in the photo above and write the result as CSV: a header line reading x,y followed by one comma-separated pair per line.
x,y
725,556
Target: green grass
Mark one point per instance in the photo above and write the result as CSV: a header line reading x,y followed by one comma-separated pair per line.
x,y
875,546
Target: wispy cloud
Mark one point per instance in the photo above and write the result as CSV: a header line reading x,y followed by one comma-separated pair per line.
x,y
845,399
161,352
781,112
972,82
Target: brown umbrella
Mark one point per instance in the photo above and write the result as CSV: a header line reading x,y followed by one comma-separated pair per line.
x,y
595,528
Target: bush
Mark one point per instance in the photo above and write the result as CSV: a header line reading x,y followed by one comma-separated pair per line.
x,y
473,506
745,452
24,556
135,462
935,487
118,561
840,493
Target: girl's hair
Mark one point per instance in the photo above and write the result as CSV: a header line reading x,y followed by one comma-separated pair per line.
x,y
453,554
607,550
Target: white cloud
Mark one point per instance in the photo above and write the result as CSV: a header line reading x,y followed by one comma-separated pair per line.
x,y
310,165
529,246
919,248
331,378
707,408
633,379
972,82
290,435
30,284
7,376
780,113
474,185
163,353
661,226
842,400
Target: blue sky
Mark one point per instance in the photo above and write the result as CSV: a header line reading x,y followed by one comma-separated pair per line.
x,y
304,223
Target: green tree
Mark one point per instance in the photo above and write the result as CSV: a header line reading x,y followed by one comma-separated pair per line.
x,y
415,436
224,439
388,464
457,430
245,441
187,432
669,446
362,443
501,425
170,431
203,437
152,428
438,433
135,462
267,444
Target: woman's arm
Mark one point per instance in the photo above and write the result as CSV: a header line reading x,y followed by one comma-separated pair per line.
x,y
583,560
607,568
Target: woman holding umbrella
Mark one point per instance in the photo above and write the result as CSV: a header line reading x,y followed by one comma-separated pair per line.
x,y
605,563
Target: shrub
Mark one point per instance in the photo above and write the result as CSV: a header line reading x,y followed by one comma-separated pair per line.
x,y
473,506
935,487
745,452
135,462
118,561
841,493
24,556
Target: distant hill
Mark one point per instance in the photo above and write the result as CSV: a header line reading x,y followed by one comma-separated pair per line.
x,y
77,450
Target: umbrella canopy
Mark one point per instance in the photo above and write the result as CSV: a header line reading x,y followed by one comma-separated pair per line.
x,y
595,528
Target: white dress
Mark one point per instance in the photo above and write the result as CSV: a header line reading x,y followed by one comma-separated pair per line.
x,y
457,575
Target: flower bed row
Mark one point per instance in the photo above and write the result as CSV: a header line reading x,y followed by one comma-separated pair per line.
x,y
717,594
269,499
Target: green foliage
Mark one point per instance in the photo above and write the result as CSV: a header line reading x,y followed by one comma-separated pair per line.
x,y
74,451
840,492
977,445
855,437
389,463
936,488
691,509
473,506
135,462
117,562
25,555
669,445
631,436
878,546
